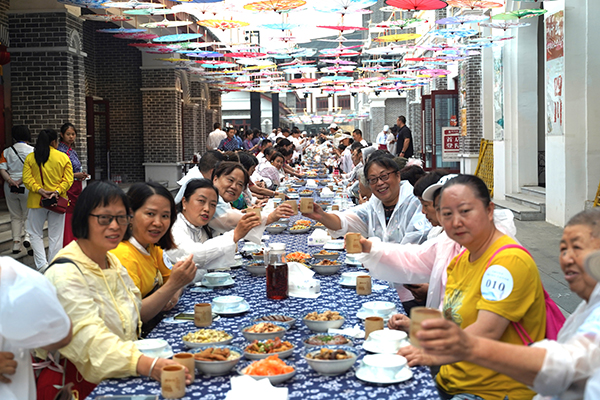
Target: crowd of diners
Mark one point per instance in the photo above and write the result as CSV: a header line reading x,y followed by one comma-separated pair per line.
x,y
121,261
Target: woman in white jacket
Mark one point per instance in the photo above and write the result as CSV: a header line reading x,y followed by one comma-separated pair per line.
x,y
192,234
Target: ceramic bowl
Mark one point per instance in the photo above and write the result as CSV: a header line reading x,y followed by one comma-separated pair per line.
x,y
257,268
151,347
349,340
274,379
225,303
258,256
323,326
291,321
217,278
386,366
325,269
250,336
276,228
388,340
197,345
349,278
281,354
216,368
333,256
378,308
331,367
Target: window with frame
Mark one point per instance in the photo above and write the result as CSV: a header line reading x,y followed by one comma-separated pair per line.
x,y
300,104
322,103
344,102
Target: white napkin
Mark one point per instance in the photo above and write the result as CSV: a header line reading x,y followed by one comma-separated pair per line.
x,y
247,388
301,282
355,332
326,191
311,183
318,238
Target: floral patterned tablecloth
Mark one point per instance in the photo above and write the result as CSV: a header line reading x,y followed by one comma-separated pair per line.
x,y
306,384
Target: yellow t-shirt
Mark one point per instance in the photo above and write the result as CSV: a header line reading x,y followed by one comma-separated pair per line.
x,y
146,271
511,288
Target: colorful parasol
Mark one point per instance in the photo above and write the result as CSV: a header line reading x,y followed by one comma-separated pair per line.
x,y
343,6
84,3
302,81
120,30
178,37
473,4
417,5
403,37
507,24
106,17
274,5
253,61
136,36
149,11
490,39
519,14
205,54
450,33
343,28
339,49
387,50
146,45
198,1
281,26
222,23
337,61
462,19
247,54
165,23
400,23
132,4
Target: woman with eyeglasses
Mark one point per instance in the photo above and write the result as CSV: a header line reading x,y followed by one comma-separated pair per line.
x,y
97,293
393,214
141,252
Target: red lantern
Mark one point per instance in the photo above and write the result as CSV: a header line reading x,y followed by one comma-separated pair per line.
x,y
4,55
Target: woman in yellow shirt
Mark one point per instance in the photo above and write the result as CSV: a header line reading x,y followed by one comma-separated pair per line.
x,y
484,301
141,252
47,173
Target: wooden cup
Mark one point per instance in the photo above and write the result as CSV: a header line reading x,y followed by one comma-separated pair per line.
x,y
255,210
202,314
293,204
363,285
188,361
418,315
280,196
307,205
372,324
335,208
172,382
353,243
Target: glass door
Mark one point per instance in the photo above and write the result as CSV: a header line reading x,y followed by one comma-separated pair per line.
x,y
427,139
439,110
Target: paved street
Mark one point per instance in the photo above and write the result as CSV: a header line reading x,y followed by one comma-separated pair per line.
x,y
542,240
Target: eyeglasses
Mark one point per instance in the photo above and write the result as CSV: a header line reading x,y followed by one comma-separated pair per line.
x,y
108,219
383,177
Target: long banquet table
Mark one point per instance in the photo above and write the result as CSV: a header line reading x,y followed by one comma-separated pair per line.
x,y
306,384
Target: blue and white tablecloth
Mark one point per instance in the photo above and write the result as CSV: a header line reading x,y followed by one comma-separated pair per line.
x,y
306,384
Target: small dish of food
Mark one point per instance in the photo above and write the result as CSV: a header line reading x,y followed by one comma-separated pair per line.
x,y
259,350
258,255
325,267
265,331
257,268
217,360
324,320
325,339
276,228
206,338
300,229
272,367
291,321
306,193
297,256
326,255
331,361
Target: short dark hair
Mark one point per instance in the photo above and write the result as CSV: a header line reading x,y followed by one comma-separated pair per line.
x,y
427,180
478,186
138,194
402,118
192,186
227,167
589,218
356,145
357,131
247,160
284,142
412,174
264,142
380,153
275,155
383,162
97,194
285,130
65,127
209,160
217,125
268,151
21,133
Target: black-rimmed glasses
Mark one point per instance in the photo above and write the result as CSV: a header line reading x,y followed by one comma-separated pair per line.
x,y
108,219
383,177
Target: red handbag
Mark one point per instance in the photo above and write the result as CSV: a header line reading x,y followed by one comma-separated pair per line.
x,y
58,206
61,381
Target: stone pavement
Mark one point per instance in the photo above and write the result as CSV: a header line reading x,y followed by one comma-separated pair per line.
x,y
542,240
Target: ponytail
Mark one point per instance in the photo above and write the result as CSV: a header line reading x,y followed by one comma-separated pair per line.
x,y
42,145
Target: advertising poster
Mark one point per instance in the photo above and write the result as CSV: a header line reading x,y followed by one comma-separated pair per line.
x,y
451,145
554,73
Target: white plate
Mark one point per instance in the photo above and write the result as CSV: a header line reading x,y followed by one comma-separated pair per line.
x,y
352,262
404,375
361,314
167,353
228,282
293,195
238,310
374,347
334,245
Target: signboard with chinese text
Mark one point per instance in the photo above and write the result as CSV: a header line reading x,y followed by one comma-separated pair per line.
x,y
450,143
554,73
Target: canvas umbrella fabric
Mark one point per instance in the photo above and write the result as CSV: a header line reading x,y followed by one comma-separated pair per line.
x,y
222,24
342,28
274,5
462,19
132,4
120,30
181,37
417,5
504,24
136,36
450,33
473,4
403,37
247,54
400,23
519,14
343,6
150,11
106,17
283,26
165,23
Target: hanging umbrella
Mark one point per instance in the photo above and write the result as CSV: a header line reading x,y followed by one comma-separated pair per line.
x,y
222,23
178,37
343,28
302,81
253,61
382,61
283,26
451,33
400,23
437,47
244,55
121,30
336,78
136,36
387,50
398,38
132,4
84,3
519,14
146,45
343,6
338,49
165,23
106,17
473,4
490,39
274,5
198,9
337,69
149,11
417,5
198,1
205,54
507,24
462,19
435,72
337,61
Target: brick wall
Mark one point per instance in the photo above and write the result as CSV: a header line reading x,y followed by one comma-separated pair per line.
x,y
113,73
470,96
393,109
191,135
413,120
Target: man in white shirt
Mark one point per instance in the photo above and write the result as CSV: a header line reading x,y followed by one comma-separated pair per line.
x,y
382,138
346,163
358,137
215,137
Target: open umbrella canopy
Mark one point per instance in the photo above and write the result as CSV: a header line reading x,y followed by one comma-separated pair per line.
x,y
519,14
205,54
106,17
504,24
274,5
417,5
342,28
150,11
403,37
343,6
337,61
473,4
136,36
121,30
84,3
165,23
450,33
245,54
181,37
283,26
302,81
462,19
400,23
222,23
132,4
391,49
